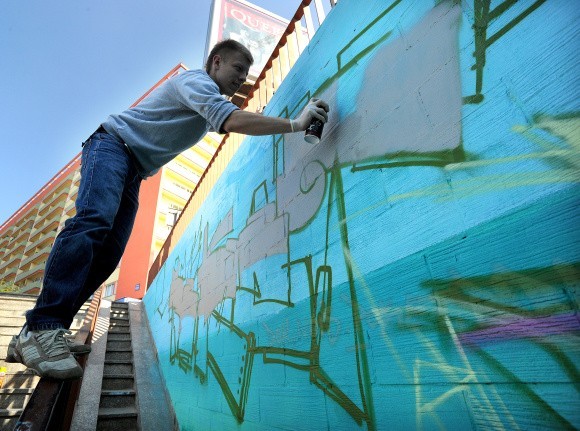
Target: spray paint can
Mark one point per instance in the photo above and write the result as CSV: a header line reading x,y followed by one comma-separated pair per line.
x,y
314,131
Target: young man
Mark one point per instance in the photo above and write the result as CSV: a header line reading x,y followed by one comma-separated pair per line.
x,y
125,149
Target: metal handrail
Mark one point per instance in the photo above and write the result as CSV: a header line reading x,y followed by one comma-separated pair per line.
x,y
51,405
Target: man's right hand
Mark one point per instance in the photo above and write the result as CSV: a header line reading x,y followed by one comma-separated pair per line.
x,y
316,109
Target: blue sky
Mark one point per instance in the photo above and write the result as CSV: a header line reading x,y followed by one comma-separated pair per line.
x,y
65,65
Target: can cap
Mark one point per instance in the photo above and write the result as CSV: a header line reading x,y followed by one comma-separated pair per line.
x,y
312,139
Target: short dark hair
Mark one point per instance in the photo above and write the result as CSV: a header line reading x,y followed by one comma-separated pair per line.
x,y
224,47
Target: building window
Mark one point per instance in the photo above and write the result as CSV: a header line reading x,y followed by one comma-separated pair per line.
x,y
109,289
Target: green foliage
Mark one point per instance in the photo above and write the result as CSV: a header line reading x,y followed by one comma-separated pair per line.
x,y
7,287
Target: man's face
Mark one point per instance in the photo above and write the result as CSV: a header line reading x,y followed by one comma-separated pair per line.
x,y
229,72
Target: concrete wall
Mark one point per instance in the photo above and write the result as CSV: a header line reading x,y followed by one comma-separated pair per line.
x,y
417,269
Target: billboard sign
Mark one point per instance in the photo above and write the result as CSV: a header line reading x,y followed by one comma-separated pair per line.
x,y
254,27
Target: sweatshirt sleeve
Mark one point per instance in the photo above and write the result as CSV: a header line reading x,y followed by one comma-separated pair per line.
x,y
198,92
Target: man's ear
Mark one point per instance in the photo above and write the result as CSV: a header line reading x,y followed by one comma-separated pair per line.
x,y
216,61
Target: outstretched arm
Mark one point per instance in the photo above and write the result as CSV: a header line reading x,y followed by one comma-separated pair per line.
x,y
250,123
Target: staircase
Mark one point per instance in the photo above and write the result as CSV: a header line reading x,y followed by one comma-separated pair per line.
x,y
122,390
113,376
118,403
19,382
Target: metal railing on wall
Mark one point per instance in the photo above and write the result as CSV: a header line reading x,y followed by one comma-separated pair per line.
x,y
301,29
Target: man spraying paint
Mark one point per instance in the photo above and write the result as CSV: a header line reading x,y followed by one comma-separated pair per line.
x,y
124,150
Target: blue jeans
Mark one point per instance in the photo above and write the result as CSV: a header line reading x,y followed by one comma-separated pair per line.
x,y
92,242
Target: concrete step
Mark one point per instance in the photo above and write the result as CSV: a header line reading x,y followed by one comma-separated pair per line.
x,y
16,303
118,321
119,327
4,347
119,356
119,311
126,329
118,382
118,419
118,367
10,326
5,340
21,379
19,382
11,321
12,367
118,406
118,345
16,298
8,418
3,350
124,398
14,398
5,312
117,336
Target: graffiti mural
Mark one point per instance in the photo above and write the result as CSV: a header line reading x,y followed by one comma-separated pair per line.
x,y
416,269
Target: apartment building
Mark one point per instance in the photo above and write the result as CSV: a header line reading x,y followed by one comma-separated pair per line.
x,y
26,238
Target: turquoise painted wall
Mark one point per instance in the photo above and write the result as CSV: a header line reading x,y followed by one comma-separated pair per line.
x,y
417,269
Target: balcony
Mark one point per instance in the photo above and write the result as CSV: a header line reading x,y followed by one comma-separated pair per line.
x,y
34,270
4,241
184,174
70,207
24,223
15,248
206,150
36,256
196,160
9,274
53,200
64,186
46,229
39,242
171,189
74,189
42,237
55,211
16,252
32,287
23,233
35,234
11,262
159,240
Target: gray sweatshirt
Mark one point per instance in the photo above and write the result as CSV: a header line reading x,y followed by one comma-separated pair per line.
x,y
174,117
